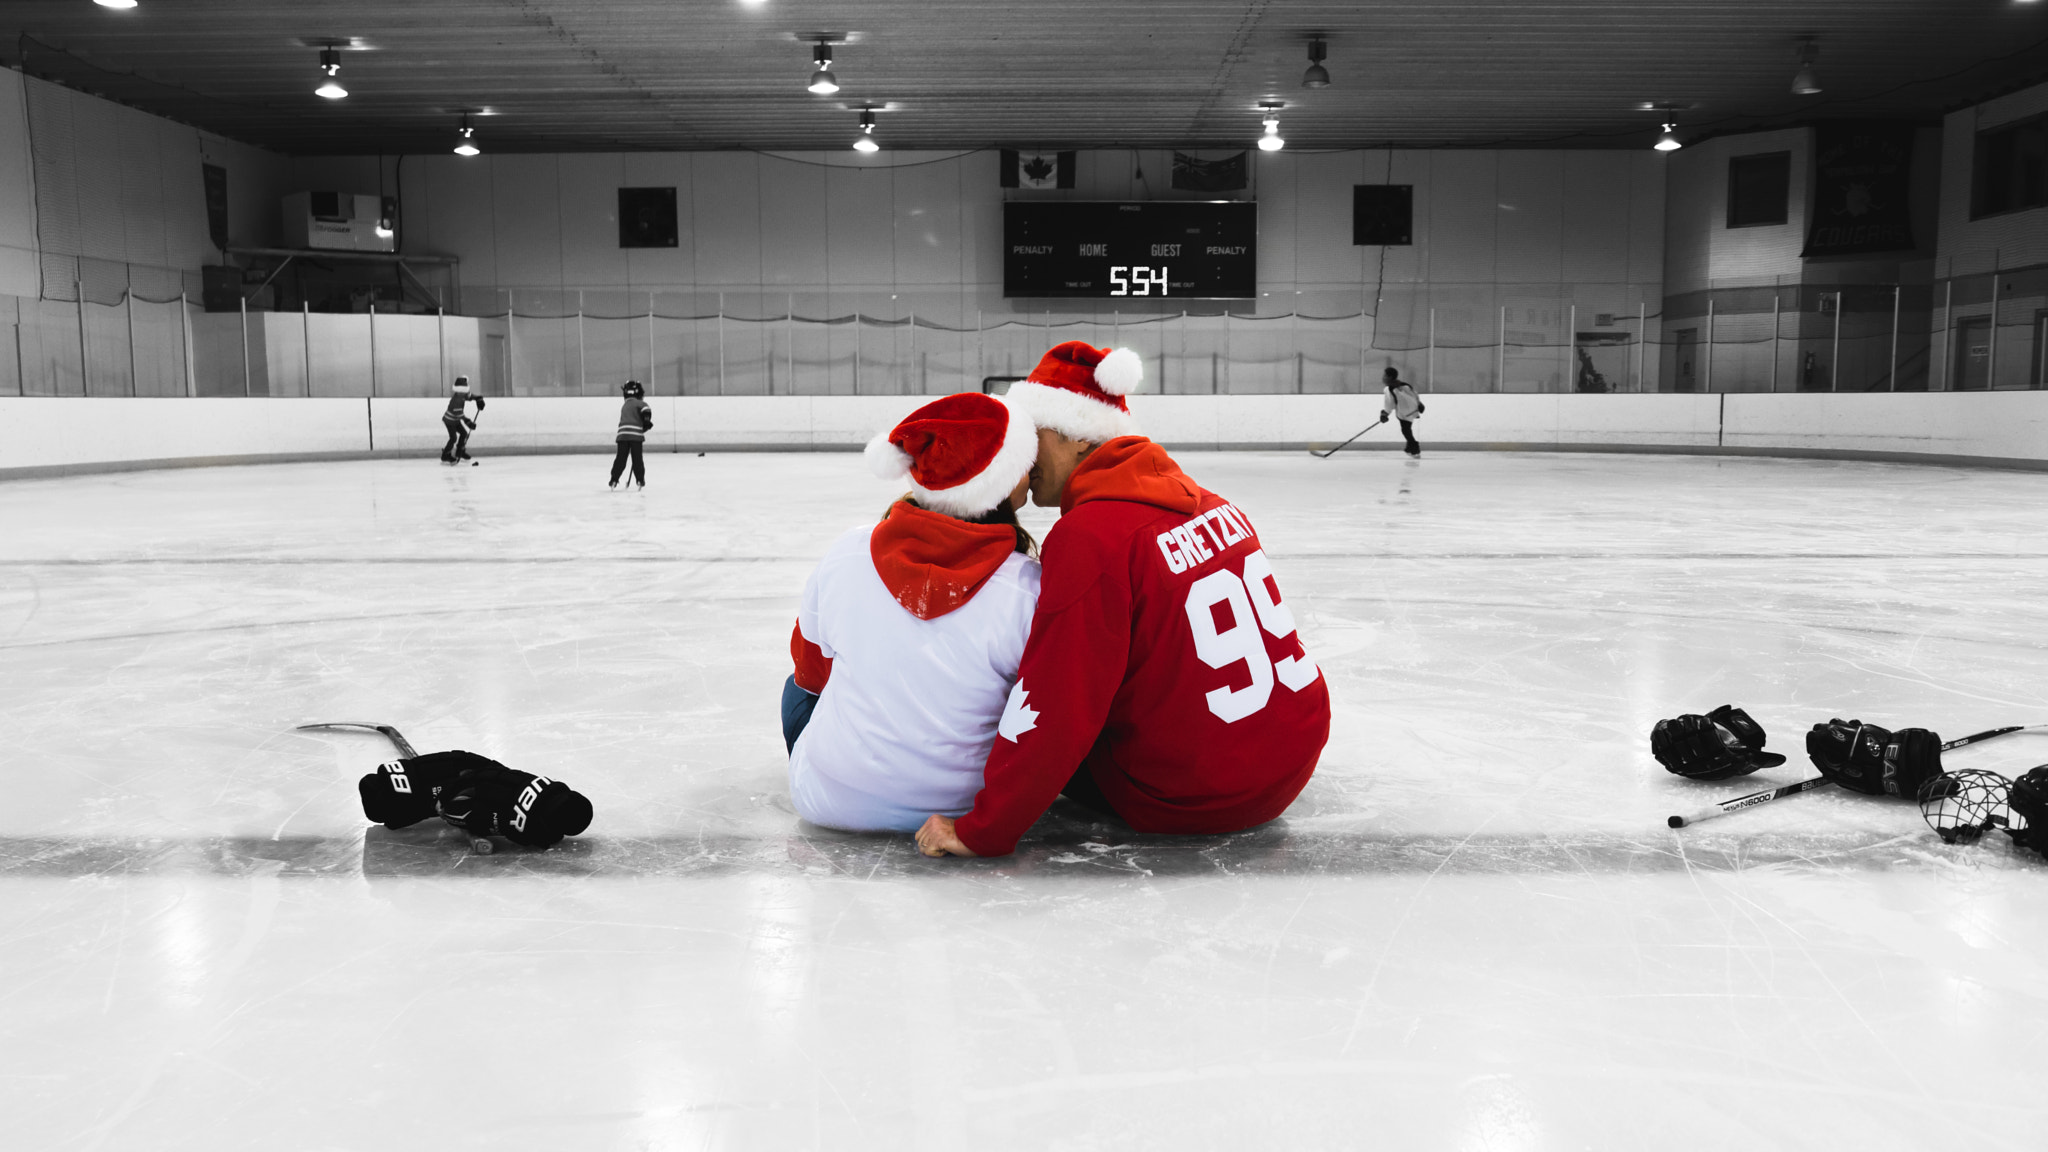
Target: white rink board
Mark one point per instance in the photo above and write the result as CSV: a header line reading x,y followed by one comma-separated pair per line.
x,y
46,432
41,434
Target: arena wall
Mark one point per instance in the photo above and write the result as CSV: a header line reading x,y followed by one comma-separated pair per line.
x,y
44,436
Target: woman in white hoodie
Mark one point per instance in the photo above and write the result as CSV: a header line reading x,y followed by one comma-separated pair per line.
x,y
910,631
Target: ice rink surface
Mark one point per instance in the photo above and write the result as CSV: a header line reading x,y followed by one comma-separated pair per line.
x,y
1473,931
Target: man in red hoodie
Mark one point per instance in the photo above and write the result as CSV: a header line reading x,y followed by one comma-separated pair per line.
x,y
1164,680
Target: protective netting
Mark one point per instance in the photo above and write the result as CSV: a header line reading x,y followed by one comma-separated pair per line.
x,y
107,329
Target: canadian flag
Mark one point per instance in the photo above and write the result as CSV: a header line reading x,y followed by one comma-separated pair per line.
x,y
1037,169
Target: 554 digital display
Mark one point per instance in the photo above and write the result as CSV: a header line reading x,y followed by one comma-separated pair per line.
x,y
1192,250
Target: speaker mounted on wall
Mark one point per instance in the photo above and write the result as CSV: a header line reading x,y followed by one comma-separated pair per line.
x,y
647,218
1383,214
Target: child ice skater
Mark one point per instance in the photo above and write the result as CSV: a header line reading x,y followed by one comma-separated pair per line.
x,y
635,419
458,424
1402,402
909,633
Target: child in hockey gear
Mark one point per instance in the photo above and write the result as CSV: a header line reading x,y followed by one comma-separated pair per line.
x,y
476,794
1164,680
1865,758
908,634
635,420
1722,744
1400,401
459,425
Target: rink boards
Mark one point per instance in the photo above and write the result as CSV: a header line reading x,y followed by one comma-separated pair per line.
x,y
61,435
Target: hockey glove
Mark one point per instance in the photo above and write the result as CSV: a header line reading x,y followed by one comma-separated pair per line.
x,y
1717,746
404,792
468,423
489,799
1865,758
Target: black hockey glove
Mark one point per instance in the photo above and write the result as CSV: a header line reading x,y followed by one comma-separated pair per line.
x,y
2027,810
468,423
479,402
489,799
1717,746
1865,758
404,792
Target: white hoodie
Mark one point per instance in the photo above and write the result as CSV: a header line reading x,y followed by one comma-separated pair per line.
x,y
917,677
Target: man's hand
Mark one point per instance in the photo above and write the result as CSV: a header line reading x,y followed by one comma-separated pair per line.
x,y
937,838
1383,417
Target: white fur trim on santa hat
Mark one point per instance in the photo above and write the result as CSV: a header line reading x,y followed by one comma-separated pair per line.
x,y
1120,372
886,460
981,494
1072,414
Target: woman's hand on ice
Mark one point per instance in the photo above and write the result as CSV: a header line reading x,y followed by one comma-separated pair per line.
x,y
937,838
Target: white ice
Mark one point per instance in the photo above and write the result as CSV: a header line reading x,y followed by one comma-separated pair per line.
x,y
1473,931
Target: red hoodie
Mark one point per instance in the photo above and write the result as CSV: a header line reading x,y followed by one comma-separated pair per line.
x,y
1162,659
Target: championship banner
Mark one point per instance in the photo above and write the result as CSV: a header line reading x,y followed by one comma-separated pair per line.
x,y
1194,174
1861,181
1037,169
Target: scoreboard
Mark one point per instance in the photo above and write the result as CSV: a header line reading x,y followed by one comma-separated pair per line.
x,y
1191,250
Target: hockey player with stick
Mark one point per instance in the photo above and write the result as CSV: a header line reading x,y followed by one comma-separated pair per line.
x,y
476,794
909,632
458,424
635,420
1402,403
1164,683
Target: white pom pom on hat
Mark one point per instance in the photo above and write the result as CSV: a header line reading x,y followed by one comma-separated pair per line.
x,y
1120,372
886,460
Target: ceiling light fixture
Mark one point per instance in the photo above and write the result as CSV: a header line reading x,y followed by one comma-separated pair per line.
x,y
1804,82
1271,141
1317,76
823,82
1668,142
115,3
465,139
865,142
330,67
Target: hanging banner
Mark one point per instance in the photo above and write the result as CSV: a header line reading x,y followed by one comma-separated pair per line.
x,y
1862,176
1194,174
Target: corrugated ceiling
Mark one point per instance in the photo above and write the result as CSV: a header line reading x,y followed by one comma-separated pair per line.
x,y
567,75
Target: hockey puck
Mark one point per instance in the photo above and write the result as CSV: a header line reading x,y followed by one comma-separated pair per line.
x,y
1675,821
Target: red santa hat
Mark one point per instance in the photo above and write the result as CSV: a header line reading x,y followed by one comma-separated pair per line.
x,y
1078,391
962,453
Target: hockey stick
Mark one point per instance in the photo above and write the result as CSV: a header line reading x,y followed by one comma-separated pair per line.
x,y
1749,801
1334,451
481,845
1768,795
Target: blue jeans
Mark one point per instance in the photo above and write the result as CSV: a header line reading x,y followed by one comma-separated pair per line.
x,y
797,706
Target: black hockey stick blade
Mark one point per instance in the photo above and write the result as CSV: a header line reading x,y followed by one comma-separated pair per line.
x,y
1749,801
1334,451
